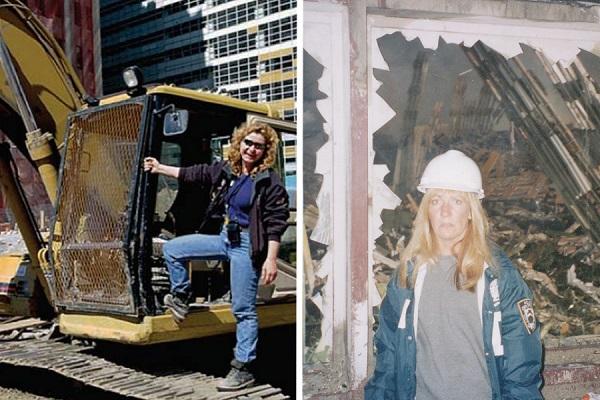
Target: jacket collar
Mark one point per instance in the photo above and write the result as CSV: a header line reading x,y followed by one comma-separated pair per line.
x,y
255,179
258,177
227,169
262,175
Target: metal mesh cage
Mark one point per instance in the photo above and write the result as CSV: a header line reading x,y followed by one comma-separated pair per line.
x,y
91,265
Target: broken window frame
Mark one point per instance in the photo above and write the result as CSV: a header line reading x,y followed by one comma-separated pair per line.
x,y
380,22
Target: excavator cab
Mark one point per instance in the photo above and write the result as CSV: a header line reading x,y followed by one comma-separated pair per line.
x,y
112,218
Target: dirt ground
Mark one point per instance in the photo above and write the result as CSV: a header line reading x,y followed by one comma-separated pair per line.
x,y
14,394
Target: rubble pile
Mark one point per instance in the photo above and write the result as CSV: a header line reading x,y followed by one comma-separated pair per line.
x,y
11,242
560,263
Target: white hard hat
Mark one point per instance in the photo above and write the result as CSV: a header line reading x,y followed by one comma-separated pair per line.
x,y
454,171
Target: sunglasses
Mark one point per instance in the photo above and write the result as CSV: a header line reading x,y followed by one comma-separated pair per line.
x,y
257,146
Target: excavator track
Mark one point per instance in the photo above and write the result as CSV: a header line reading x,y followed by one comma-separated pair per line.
x,y
72,361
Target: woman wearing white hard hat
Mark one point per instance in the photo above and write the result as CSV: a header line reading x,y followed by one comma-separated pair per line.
x,y
457,321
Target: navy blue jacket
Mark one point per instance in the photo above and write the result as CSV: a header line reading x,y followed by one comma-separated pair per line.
x,y
511,339
269,212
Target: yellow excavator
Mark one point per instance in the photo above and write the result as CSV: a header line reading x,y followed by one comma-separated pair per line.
x,y
99,270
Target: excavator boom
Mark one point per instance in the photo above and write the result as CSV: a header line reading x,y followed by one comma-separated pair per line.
x,y
38,89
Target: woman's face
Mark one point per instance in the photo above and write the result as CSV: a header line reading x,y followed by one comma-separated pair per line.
x,y
252,148
449,214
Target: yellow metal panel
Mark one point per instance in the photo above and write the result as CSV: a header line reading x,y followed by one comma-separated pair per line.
x,y
286,104
276,76
211,98
277,53
9,261
202,96
114,98
200,323
8,267
10,303
252,29
282,105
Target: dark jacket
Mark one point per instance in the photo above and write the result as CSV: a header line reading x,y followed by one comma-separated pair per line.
x,y
513,350
269,212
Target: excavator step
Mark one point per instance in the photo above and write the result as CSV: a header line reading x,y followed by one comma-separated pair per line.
x,y
74,362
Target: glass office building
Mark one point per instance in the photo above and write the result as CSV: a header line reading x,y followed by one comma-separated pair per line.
x,y
164,38
246,48
251,49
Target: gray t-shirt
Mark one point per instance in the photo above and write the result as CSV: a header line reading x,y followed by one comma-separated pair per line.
x,y
450,357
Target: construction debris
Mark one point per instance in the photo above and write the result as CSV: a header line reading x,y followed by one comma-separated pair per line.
x,y
11,242
531,274
587,288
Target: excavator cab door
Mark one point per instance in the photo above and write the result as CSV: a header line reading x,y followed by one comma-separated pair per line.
x,y
91,241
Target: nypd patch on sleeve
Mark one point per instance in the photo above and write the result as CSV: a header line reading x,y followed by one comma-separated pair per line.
x,y
527,315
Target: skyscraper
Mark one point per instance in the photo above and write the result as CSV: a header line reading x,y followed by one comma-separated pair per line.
x,y
251,48
243,47
163,37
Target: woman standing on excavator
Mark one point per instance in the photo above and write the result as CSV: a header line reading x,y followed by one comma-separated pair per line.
x,y
255,204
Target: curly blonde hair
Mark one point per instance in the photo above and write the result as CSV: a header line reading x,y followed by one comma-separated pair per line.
x,y
270,154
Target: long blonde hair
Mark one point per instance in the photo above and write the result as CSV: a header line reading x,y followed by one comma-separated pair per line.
x,y
270,154
471,252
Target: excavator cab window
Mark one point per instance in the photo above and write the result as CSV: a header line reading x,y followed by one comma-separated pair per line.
x,y
129,214
167,189
179,207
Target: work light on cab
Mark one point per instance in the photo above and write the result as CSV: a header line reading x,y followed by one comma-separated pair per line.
x,y
134,81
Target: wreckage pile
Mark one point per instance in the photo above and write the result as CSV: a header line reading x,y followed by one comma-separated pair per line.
x,y
560,263
11,242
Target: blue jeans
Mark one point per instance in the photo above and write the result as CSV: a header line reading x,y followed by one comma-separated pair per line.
x,y
244,280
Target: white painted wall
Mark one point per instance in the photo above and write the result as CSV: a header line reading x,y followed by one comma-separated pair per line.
x,y
325,38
